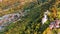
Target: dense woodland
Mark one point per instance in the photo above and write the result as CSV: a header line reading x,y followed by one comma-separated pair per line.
x,y
33,11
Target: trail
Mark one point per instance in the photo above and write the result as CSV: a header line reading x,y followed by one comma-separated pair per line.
x,y
6,21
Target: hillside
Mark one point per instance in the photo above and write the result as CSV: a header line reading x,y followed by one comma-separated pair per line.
x,y
33,16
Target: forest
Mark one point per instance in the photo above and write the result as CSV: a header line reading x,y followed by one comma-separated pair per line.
x,y
29,16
